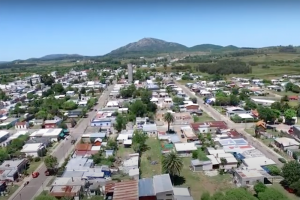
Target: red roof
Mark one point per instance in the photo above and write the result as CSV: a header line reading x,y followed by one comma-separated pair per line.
x,y
126,190
83,147
20,123
215,124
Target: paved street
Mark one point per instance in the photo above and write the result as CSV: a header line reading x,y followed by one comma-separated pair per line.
x,y
62,150
239,127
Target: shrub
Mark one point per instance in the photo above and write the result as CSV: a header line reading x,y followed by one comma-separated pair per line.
x,y
282,160
37,159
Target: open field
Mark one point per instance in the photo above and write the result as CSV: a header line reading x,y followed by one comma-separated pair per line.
x,y
278,187
203,118
200,183
123,152
153,154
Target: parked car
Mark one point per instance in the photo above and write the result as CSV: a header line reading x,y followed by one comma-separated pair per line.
x,y
35,174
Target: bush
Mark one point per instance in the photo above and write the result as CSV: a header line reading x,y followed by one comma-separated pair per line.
x,y
282,160
37,159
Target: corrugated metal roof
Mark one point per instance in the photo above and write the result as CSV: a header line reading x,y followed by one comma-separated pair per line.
x,y
146,187
162,183
126,190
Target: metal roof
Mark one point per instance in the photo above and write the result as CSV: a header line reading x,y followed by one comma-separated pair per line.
x,y
162,183
146,187
126,190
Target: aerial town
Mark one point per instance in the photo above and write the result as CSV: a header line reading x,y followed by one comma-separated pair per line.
x,y
144,135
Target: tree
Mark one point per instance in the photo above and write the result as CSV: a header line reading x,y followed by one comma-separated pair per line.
x,y
266,114
285,98
82,90
296,186
178,100
47,80
41,114
146,96
238,194
69,105
259,187
276,105
58,88
138,108
139,141
223,161
51,162
234,100
169,118
172,164
289,114
120,123
271,194
3,155
63,125
291,172
111,145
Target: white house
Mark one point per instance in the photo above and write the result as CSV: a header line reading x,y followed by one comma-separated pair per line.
x,y
21,125
34,149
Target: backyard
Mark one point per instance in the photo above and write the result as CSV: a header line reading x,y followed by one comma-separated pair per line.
x,y
200,183
203,118
151,159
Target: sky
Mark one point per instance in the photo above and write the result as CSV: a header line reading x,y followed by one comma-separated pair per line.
x,y
35,28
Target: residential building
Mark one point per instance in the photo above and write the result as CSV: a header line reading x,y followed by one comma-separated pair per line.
x,y
231,111
11,169
246,177
163,187
52,123
22,125
285,143
33,149
146,189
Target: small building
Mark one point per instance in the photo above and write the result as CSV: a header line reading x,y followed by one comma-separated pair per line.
x,y
198,165
70,93
21,125
67,187
52,123
33,149
11,169
246,177
126,190
150,129
4,135
52,134
263,102
285,143
231,111
163,186
185,149
146,189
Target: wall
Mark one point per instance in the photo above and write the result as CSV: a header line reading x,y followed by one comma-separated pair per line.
x,y
50,125
148,198
163,196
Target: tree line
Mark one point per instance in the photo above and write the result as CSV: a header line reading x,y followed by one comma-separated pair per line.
x,y
225,67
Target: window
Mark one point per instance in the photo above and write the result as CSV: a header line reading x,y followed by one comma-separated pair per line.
x,y
168,194
247,182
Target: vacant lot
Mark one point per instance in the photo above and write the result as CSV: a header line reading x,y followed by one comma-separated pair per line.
x,y
151,159
203,118
199,182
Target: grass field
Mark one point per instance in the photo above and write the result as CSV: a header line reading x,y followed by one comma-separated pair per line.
x,y
11,190
203,118
123,152
278,187
200,183
153,154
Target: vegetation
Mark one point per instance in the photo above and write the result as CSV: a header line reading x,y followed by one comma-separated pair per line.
x,y
139,141
172,164
291,175
51,162
169,118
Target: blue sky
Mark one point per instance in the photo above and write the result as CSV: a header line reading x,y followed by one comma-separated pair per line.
x,y
37,28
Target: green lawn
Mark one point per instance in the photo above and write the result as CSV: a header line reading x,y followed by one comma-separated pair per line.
x,y
203,118
200,183
278,187
123,152
33,166
11,190
153,154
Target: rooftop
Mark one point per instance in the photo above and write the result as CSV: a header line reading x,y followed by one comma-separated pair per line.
x,y
146,187
162,183
284,141
250,173
126,190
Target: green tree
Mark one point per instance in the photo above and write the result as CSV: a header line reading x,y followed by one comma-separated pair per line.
x,y
139,141
234,100
271,194
82,90
47,79
289,86
120,123
238,194
289,114
3,154
178,100
51,162
169,118
259,187
41,114
296,186
172,164
58,88
69,105
138,108
112,145
291,172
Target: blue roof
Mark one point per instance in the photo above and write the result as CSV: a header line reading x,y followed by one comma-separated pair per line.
x,y
146,187
98,135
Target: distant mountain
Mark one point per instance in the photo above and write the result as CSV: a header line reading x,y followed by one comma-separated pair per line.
x,y
3,62
206,47
149,45
57,57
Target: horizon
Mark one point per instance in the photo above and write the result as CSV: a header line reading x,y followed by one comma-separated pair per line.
x,y
95,28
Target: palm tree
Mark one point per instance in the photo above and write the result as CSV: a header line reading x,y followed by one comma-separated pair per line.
x,y
169,118
172,164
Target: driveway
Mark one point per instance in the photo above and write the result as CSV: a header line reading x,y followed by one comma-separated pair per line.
x,y
239,127
62,150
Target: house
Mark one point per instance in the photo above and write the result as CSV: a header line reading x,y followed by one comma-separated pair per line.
x,y
150,129
198,165
33,149
53,134
70,93
8,123
246,177
74,113
146,189
181,193
293,98
4,135
163,187
185,149
258,162
285,143
11,169
231,111
296,131
67,187
52,123
21,125
126,190
263,102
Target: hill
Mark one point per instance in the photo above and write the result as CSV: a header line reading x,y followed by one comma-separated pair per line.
x,y
205,47
149,45
57,57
